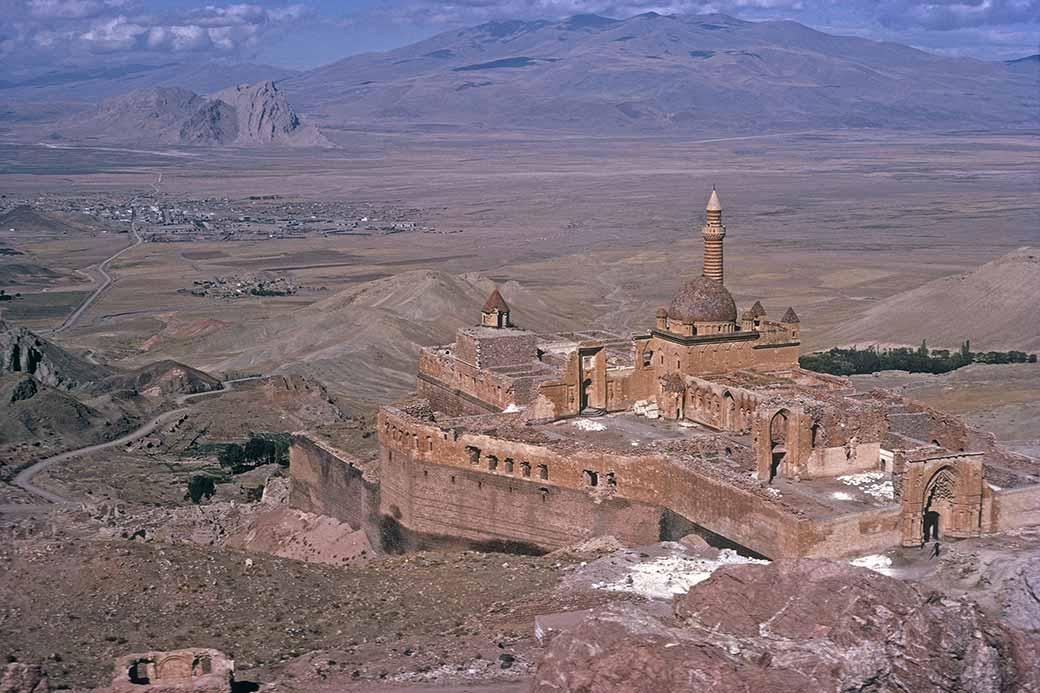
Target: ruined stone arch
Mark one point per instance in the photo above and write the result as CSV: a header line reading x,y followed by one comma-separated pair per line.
x,y
730,416
779,427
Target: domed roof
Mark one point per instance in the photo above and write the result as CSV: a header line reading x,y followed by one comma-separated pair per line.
x,y
703,300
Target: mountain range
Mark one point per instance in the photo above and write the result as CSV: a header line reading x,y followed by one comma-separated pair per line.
x,y
656,73
649,74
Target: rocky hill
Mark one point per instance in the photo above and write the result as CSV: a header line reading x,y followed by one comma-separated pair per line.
x,y
993,306
246,115
23,352
265,117
656,73
30,410
795,625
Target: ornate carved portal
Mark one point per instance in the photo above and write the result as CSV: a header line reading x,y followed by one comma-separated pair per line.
x,y
942,499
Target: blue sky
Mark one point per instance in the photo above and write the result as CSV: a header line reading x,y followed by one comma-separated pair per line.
x,y
43,35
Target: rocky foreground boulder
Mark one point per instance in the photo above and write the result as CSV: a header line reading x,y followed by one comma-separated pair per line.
x,y
795,625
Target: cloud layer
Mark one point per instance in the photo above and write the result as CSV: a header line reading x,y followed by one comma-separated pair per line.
x,y
67,33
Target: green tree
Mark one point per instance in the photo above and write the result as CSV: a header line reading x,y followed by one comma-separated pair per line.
x,y
200,487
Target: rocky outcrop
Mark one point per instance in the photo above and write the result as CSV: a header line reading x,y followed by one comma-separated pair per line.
x,y
264,116
246,115
795,625
22,351
23,678
161,379
26,353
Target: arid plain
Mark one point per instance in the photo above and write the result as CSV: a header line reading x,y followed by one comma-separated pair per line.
x,y
594,231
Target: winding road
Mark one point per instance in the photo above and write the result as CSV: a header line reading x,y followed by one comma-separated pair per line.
x,y
24,478
106,281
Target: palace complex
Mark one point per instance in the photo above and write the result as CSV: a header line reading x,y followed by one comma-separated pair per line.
x,y
703,424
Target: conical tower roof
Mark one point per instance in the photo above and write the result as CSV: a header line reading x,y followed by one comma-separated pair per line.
x,y
757,310
713,202
789,316
495,302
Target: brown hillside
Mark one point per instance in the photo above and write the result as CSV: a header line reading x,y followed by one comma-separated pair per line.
x,y
994,306
364,341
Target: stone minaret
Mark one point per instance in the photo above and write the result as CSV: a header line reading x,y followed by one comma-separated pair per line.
x,y
714,231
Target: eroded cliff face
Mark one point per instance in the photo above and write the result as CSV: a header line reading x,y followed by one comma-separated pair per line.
x,y
25,352
263,114
795,625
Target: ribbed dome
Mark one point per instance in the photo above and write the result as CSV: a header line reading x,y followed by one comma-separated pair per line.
x,y
703,300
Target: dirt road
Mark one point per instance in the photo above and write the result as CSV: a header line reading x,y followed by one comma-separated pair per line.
x,y
24,478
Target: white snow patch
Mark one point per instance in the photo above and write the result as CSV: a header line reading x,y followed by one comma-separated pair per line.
x,y
665,577
841,495
876,562
589,425
871,483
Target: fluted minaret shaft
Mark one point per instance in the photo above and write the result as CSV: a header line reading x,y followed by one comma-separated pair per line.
x,y
713,231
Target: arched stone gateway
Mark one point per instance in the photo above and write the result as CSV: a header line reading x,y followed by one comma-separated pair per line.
x,y
942,498
778,427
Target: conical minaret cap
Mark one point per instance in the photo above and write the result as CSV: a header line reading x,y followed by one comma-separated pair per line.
x,y
713,202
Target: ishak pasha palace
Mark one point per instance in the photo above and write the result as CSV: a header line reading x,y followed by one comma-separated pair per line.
x,y
704,424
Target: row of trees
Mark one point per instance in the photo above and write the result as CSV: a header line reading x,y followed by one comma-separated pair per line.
x,y
920,360
260,449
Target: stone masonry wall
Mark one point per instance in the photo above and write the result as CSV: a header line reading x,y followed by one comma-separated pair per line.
x,y
457,376
740,515
328,483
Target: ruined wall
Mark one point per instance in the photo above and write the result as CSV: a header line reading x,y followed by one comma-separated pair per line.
x,y
850,535
437,503
1015,508
458,388
721,407
742,515
930,426
850,458
329,483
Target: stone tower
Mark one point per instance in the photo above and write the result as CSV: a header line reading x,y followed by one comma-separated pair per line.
x,y
713,231
495,312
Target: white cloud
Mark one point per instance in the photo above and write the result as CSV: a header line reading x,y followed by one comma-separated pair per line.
x,y
37,32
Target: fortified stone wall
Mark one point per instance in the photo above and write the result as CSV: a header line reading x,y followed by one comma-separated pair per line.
x,y
747,517
435,502
328,482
